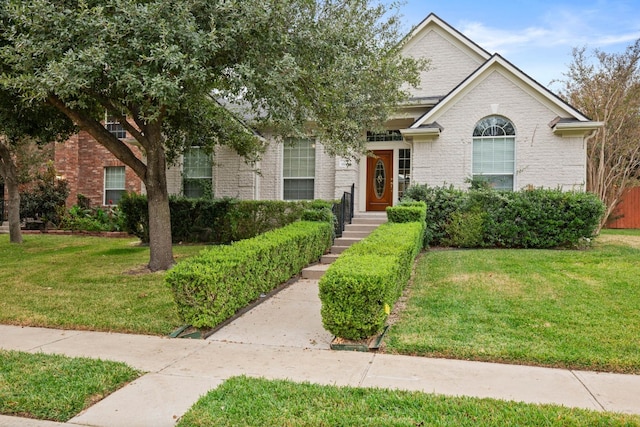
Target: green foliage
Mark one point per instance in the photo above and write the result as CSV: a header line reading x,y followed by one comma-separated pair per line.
x,y
538,218
45,199
466,229
136,215
80,218
407,211
219,221
441,203
212,286
361,286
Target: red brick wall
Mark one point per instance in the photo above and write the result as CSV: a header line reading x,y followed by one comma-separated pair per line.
x,y
81,161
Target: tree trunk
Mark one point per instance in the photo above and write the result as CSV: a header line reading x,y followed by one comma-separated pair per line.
x,y
160,244
9,172
153,174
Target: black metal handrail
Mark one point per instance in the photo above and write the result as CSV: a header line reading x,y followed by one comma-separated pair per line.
x,y
343,210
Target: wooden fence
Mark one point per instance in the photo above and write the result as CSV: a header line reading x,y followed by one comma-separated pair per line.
x,y
627,214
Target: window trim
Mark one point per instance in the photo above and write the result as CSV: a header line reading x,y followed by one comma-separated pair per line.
x,y
292,142
495,128
106,201
114,126
207,177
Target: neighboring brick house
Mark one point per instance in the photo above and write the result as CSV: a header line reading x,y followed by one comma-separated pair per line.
x,y
92,171
474,115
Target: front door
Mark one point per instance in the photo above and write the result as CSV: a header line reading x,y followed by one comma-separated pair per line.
x,y
380,180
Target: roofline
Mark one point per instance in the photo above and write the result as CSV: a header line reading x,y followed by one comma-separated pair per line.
x,y
498,59
432,17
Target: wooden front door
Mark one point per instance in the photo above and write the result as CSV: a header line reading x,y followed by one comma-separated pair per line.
x,y
380,180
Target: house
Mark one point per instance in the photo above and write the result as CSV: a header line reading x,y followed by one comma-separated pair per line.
x,y
474,115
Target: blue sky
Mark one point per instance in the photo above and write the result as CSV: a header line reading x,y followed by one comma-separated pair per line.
x,y
536,36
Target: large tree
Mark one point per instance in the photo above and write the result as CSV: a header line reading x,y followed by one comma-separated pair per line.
x,y
156,64
23,124
606,87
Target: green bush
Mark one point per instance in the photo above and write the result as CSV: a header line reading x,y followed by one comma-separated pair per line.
x,y
407,211
539,218
441,203
466,229
360,287
136,215
211,287
219,221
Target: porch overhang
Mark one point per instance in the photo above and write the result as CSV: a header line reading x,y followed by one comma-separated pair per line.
x,y
423,133
571,128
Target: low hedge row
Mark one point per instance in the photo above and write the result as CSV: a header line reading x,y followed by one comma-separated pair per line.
x,y
537,218
360,287
218,221
210,287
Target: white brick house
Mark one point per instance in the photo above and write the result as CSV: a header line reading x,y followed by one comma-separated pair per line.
x,y
474,114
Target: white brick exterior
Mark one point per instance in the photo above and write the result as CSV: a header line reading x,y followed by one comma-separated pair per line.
x,y
476,85
449,63
542,158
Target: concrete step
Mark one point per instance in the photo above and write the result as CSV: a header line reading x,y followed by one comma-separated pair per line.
x,y
346,241
314,272
369,220
355,234
338,249
328,258
360,227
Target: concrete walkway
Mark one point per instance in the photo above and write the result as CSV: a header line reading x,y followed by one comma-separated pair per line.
x,y
283,338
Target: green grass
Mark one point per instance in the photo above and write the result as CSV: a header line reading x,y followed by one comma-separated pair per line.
x,y
573,309
244,401
93,283
56,388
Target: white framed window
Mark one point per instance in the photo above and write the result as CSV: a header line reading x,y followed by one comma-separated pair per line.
x,y
299,169
114,184
494,142
404,171
114,126
197,173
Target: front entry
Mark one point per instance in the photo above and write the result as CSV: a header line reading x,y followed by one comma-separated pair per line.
x,y
380,180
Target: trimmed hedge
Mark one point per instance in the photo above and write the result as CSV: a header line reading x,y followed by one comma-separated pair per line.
x,y
210,287
218,221
407,211
360,287
538,218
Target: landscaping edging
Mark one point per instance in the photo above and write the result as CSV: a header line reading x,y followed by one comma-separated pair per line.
x,y
112,234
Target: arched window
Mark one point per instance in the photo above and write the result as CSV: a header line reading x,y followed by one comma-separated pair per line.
x,y
494,141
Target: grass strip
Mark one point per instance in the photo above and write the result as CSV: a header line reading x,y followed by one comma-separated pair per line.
x,y
87,283
53,387
242,401
559,308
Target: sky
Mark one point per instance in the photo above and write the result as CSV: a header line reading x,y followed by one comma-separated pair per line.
x,y
536,36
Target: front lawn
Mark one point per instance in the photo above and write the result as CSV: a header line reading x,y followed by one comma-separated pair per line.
x,y
244,401
572,309
93,283
51,387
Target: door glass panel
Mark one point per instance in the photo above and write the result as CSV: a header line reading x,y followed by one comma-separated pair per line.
x,y
379,179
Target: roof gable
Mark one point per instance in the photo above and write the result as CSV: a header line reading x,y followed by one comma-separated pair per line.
x,y
434,23
522,80
451,55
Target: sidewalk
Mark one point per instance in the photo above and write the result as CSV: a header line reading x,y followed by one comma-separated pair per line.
x,y
283,338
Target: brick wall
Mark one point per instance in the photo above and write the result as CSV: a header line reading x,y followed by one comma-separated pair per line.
x,y
542,158
81,161
448,66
